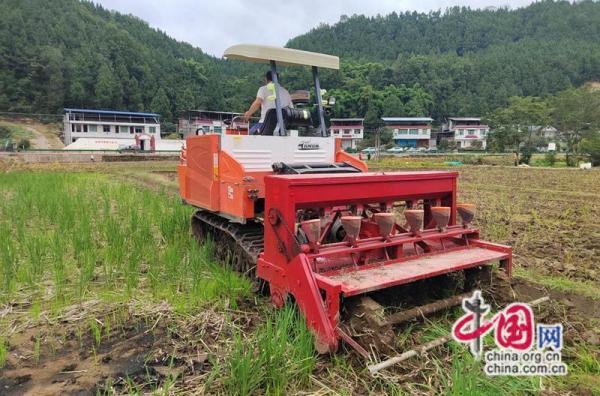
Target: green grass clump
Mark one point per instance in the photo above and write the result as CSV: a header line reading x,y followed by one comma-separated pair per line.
x,y
3,352
14,132
76,236
280,353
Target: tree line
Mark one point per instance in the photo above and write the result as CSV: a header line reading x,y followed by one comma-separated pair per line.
x,y
70,53
573,113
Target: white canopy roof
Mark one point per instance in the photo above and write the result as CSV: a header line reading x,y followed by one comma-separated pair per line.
x,y
283,56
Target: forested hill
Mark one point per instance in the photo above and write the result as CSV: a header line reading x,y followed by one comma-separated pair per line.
x,y
73,53
458,31
70,53
468,61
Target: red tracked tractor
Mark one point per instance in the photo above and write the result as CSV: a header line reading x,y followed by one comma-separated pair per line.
x,y
288,206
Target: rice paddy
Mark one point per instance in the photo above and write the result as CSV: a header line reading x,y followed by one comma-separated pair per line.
x,y
104,290
67,237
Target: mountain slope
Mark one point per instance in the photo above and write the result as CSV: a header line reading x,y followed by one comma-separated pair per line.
x,y
459,30
461,62
470,61
67,52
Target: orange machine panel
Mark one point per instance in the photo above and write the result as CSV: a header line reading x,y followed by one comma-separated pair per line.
x,y
200,172
342,156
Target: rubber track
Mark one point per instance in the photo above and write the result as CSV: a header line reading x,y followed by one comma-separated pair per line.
x,y
237,244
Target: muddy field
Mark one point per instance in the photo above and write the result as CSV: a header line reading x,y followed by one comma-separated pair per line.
x,y
145,327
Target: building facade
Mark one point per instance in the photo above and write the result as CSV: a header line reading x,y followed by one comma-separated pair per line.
x,y
350,130
196,122
410,131
467,132
119,126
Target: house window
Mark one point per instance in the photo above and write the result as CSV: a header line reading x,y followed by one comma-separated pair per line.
x,y
472,132
152,129
77,127
483,132
461,132
106,128
123,129
396,131
139,129
357,131
217,129
347,131
92,128
413,131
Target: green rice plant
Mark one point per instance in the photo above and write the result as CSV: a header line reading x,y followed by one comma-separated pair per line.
x,y
3,352
585,360
36,247
8,262
96,332
245,373
59,265
86,234
281,352
35,310
87,267
36,349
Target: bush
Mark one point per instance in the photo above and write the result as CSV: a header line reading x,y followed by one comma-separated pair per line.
x,y
167,127
173,136
591,147
550,158
4,132
526,153
24,144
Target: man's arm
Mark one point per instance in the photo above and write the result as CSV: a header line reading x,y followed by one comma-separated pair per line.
x,y
253,107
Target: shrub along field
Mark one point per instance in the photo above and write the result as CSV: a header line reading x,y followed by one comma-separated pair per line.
x,y
103,289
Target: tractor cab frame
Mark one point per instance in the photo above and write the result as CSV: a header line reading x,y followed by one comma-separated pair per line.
x,y
286,56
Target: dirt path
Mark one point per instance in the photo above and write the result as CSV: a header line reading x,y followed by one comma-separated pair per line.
x,y
44,136
39,140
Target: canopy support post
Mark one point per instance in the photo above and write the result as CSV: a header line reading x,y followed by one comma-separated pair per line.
x,y
322,128
277,99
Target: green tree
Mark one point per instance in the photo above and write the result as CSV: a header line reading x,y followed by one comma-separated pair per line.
x,y
576,115
515,126
161,105
107,90
590,145
185,100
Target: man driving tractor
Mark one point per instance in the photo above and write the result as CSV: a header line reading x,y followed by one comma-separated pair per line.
x,y
265,99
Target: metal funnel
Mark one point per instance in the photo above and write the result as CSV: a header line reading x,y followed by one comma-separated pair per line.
x,y
466,212
441,216
312,230
351,225
386,222
415,218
